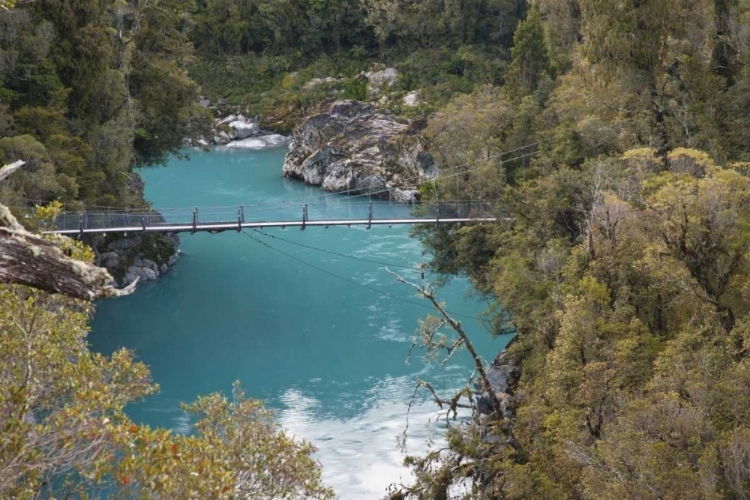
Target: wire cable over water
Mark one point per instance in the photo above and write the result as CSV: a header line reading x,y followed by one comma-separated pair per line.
x,y
447,173
331,252
367,287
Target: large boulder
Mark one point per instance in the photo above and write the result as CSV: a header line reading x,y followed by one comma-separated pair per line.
x,y
244,129
379,81
350,146
140,273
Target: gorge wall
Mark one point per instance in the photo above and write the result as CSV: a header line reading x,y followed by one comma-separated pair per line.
x,y
353,147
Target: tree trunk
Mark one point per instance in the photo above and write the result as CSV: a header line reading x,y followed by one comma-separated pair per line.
x,y
36,261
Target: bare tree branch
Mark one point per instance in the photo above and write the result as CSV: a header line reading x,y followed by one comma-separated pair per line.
x,y
456,325
10,168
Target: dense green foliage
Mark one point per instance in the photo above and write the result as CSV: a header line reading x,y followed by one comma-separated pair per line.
x,y
65,434
624,269
89,89
261,55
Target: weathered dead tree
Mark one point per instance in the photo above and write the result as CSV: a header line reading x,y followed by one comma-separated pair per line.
x,y
429,294
36,261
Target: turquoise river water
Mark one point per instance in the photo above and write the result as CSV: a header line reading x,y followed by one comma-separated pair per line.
x,y
327,353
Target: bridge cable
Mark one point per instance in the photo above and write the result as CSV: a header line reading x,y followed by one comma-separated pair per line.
x,y
371,261
274,205
372,289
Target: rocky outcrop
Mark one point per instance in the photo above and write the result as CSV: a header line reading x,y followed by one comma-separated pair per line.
x,y
350,146
237,131
142,257
503,375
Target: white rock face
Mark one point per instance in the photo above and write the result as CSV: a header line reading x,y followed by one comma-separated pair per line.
x,y
260,142
228,119
244,129
412,99
320,81
378,81
349,146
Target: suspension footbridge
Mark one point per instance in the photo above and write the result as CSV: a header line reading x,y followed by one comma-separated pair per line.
x,y
320,211
282,215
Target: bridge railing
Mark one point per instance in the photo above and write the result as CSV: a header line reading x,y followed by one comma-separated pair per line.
x,y
339,209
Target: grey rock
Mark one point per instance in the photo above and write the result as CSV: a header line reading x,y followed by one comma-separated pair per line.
x,y
122,244
163,268
227,120
320,81
503,375
150,264
141,273
223,102
412,99
109,260
244,129
350,146
205,102
371,183
405,195
173,260
260,142
221,139
379,81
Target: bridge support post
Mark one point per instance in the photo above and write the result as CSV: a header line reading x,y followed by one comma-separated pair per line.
x,y
143,222
195,220
437,215
80,226
369,215
304,217
242,213
239,220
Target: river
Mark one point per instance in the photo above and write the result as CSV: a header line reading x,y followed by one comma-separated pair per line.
x,y
309,332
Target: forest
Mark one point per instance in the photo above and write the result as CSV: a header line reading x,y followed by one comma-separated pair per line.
x,y
622,270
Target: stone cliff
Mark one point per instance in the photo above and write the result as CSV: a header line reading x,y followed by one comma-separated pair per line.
x,y
353,147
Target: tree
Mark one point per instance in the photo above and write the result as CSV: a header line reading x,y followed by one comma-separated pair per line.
x,y
530,55
625,280
65,432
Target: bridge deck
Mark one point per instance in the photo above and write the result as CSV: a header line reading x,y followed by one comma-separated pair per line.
x,y
346,212
238,226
